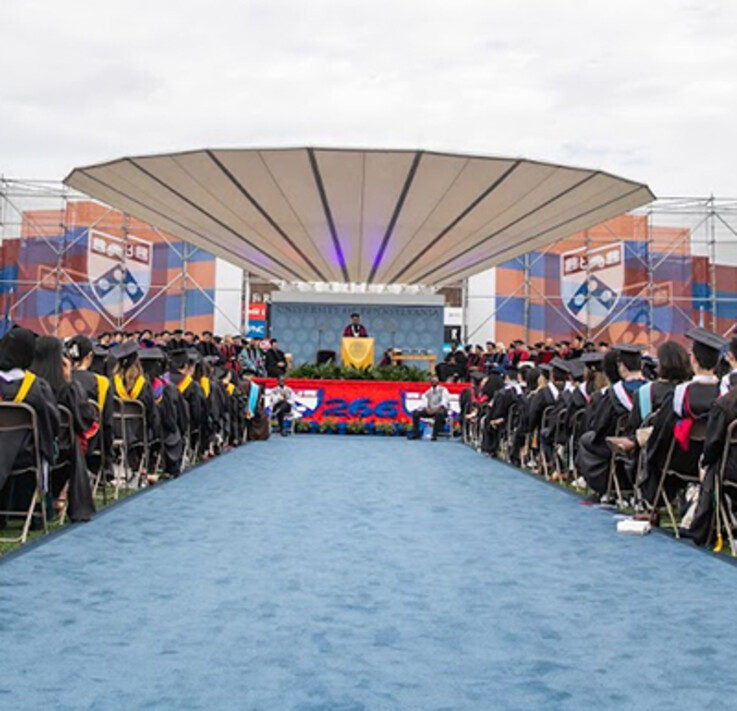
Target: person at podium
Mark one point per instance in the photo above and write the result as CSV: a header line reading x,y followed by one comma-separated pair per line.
x,y
355,329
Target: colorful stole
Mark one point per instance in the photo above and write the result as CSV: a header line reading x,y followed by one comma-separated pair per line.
x,y
582,390
25,386
253,398
205,383
158,388
184,384
134,393
645,396
103,385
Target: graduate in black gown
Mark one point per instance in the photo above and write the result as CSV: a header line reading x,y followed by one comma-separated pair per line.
x,y
534,381
510,394
578,399
257,423
721,416
19,384
688,403
594,455
729,379
556,373
69,476
181,375
98,389
130,383
172,410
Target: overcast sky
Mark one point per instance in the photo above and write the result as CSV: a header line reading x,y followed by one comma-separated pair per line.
x,y
642,88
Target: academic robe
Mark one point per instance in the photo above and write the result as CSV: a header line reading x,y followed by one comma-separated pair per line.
x,y
98,389
688,402
577,400
544,398
593,455
193,394
143,392
273,357
15,447
71,465
257,423
509,395
174,419
722,414
236,415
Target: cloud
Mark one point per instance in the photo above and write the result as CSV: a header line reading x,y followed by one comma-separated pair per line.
x,y
642,89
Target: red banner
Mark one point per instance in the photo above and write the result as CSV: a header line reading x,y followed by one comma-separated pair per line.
x,y
369,400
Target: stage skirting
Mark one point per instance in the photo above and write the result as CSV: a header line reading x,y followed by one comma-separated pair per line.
x,y
369,400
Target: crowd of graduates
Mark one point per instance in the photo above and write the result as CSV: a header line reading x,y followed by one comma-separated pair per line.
x,y
649,433
464,364
122,410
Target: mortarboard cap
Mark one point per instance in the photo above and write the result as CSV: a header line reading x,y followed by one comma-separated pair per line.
x,y
179,358
592,359
708,339
576,368
560,364
545,368
79,347
125,353
631,348
152,354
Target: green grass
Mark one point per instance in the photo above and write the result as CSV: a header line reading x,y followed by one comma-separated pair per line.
x,y
16,524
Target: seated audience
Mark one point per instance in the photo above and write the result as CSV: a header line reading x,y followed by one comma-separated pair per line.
x,y
70,483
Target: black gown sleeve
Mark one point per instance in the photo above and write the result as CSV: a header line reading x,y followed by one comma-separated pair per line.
x,y
716,435
41,398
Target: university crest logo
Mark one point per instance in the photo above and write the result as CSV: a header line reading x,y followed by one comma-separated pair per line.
x,y
591,282
119,271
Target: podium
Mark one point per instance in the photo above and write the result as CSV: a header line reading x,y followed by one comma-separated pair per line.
x,y
358,352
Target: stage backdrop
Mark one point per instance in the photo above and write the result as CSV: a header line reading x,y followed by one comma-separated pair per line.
x,y
307,322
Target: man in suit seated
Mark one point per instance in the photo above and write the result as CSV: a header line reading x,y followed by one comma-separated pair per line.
x,y
437,400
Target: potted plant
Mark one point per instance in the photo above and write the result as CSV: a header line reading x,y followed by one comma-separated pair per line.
x,y
385,429
356,427
400,428
328,426
302,426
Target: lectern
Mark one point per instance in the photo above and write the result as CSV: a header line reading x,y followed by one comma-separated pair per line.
x,y
358,352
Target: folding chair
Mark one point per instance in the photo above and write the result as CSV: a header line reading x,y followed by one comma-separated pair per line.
x,y
96,454
19,418
545,424
574,436
510,431
698,434
724,488
187,454
126,413
559,450
66,434
617,458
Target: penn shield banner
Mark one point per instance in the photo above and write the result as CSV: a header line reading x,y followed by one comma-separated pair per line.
x,y
368,400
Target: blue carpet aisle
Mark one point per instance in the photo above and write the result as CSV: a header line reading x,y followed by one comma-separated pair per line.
x,y
348,573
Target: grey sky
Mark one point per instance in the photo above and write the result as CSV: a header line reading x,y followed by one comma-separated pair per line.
x,y
646,89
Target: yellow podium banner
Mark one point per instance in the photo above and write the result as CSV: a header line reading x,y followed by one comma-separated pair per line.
x,y
358,352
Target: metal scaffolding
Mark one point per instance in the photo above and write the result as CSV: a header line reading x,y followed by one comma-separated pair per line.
x,y
683,251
